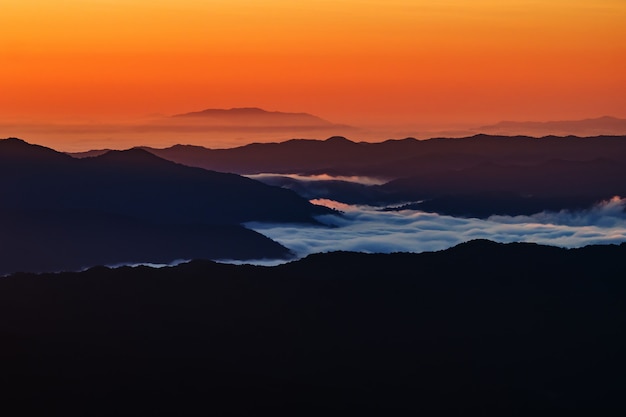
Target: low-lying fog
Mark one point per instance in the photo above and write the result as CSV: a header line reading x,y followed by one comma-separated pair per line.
x,y
368,229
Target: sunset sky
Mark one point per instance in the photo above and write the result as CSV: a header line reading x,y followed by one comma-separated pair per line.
x,y
392,62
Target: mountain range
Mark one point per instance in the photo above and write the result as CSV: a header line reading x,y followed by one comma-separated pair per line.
x,y
605,125
226,127
475,176
478,329
481,328
393,158
59,212
170,204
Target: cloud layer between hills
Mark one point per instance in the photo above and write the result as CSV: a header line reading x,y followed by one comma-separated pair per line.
x,y
368,229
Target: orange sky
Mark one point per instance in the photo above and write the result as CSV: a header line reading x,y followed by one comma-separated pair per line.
x,y
392,62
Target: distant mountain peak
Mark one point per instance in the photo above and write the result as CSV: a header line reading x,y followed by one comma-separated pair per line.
x,y
14,140
338,140
253,116
246,110
234,111
605,118
15,143
134,155
604,125
15,147
549,122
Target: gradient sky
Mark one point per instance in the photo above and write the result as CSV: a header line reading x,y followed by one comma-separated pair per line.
x,y
378,62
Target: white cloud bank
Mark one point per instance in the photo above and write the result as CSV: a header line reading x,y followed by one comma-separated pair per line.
x,y
367,229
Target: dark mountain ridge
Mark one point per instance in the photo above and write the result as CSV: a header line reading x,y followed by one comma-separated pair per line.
x,y
545,179
478,329
137,182
38,240
490,188
78,204
340,156
475,176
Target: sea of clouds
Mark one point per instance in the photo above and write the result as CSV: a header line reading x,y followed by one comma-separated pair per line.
x,y
369,229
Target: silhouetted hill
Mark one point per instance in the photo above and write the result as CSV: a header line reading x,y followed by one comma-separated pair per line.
x,y
475,176
14,151
605,125
156,194
252,116
72,240
89,154
479,329
393,158
136,182
489,188
292,156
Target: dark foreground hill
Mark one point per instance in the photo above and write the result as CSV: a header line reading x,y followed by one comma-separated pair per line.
x,y
130,206
52,241
479,329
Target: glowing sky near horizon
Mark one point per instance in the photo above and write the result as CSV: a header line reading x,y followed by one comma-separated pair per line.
x,y
380,62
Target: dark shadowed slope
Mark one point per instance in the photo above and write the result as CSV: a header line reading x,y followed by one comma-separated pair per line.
x,y
71,240
158,189
135,182
489,188
479,329
129,197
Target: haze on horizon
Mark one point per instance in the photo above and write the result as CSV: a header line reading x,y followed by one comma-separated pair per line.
x,y
389,67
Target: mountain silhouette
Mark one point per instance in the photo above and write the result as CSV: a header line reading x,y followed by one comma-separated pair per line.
x,y
512,175
90,153
175,203
136,182
392,158
72,240
605,125
292,156
252,116
479,329
488,188
15,152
